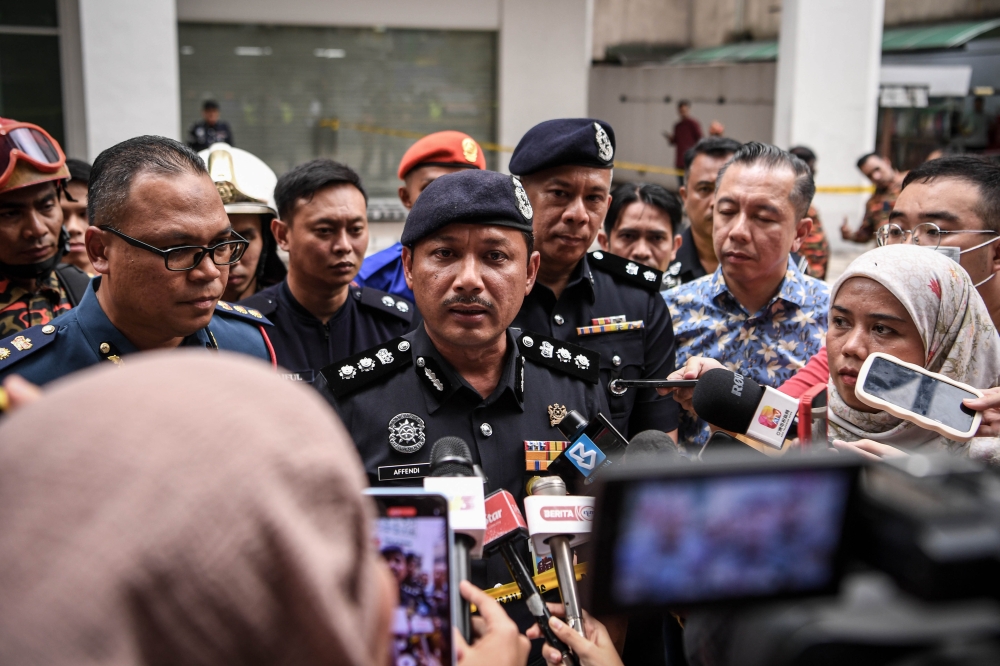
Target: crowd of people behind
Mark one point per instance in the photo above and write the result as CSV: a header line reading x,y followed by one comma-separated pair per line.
x,y
489,320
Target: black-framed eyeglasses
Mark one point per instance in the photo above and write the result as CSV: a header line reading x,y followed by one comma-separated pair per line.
x,y
187,257
927,234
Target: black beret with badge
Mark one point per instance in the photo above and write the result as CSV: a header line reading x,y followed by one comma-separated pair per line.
x,y
468,197
565,141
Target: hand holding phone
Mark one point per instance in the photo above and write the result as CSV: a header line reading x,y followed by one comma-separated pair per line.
x,y
989,407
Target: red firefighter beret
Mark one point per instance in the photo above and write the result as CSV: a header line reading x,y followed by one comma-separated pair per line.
x,y
450,148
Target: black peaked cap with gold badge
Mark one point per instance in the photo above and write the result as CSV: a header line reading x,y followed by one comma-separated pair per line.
x,y
468,197
565,141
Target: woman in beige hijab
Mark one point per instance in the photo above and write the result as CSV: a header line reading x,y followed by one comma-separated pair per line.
x,y
185,509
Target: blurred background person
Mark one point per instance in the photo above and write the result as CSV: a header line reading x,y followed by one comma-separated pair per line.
x,y
74,208
715,128
687,132
643,224
426,160
246,186
696,254
888,182
976,127
210,129
815,248
35,287
319,316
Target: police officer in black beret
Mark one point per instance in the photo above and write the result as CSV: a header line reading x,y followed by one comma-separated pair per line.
x,y
600,301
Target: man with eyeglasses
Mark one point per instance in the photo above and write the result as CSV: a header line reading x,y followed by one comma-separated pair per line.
x,y
952,204
162,245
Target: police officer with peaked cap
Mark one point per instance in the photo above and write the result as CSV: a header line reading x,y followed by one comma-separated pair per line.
x,y
603,302
464,372
162,246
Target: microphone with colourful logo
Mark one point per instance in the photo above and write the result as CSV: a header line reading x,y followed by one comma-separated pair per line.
x,y
593,446
557,523
736,403
505,527
453,475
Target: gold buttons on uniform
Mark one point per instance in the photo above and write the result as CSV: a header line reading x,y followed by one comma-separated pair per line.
x,y
48,329
105,347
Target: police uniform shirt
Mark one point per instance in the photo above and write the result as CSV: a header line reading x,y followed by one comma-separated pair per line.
x,y
638,345
303,344
686,266
85,336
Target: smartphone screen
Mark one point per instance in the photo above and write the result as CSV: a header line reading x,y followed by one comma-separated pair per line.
x,y
412,535
920,394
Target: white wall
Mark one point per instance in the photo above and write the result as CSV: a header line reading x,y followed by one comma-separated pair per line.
x,y
130,74
827,94
544,64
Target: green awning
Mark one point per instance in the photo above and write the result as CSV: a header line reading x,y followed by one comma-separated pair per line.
x,y
894,40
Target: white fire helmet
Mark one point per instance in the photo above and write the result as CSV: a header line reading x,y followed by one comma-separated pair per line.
x,y
245,183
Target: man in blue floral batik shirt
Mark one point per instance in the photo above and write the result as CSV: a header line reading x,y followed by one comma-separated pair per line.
x,y
757,314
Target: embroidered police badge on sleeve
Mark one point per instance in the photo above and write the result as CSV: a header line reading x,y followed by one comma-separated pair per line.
x,y
638,274
568,358
358,371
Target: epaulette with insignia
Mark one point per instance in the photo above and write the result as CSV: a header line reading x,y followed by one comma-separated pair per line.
x,y
252,315
355,372
383,302
563,356
638,274
263,303
21,345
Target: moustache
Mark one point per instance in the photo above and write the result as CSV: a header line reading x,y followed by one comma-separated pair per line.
x,y
467,300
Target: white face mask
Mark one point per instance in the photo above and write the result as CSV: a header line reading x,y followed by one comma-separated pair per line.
x,y
973,249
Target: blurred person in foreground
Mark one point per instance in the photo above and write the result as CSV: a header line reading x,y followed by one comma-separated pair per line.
x,y
888,183
605,303
757,313
74,208
162,245
210,129
642,224
205,577
319,316
246,186
815,247
687,132
695,257
429,158
35,287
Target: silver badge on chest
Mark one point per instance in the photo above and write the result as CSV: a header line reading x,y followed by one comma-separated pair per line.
x,y
406,433
604,149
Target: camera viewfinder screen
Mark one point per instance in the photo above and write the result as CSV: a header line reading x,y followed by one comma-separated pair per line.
x,y
686,541
416,551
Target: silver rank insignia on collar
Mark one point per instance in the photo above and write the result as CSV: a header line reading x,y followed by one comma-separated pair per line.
x,y
406,433
557,413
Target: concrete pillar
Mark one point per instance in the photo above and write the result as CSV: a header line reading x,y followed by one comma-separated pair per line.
x,y
544,64
130,71
826,95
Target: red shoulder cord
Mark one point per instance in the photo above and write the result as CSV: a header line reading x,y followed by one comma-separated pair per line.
x,y
270,349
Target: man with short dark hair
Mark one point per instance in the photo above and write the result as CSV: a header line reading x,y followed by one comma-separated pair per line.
x,y
319,317
888,182
642,224
162,245
601,301
696,255
687,133
209,129
815,248
757,313
74,208
954,202
34,286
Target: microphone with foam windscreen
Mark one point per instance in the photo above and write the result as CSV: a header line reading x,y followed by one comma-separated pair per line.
x,y
453,475
505,526
736,403
650,445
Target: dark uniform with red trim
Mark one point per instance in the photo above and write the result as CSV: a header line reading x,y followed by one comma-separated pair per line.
x,y
303,344
85,336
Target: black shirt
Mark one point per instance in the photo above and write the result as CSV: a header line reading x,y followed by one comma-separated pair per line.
x,y
203,135
615,287
303,344
686,265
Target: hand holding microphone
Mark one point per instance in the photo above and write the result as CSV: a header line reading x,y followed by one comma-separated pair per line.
x,y
594,648
693,368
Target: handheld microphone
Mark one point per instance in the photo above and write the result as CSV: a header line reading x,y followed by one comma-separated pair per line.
x,y
453,475
557,523
649,445
812,418
593,445
504,527
734,402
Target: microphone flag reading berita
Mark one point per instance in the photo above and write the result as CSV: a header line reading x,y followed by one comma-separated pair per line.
x,y
452,474
505,527
736,403
558,522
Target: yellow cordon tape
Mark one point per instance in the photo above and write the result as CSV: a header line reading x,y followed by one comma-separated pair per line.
x,y
545,581
336,124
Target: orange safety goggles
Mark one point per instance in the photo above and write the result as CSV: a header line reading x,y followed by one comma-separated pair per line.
x,y
30,143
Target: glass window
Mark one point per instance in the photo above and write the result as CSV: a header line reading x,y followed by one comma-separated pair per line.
x,y
360,96
38,13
